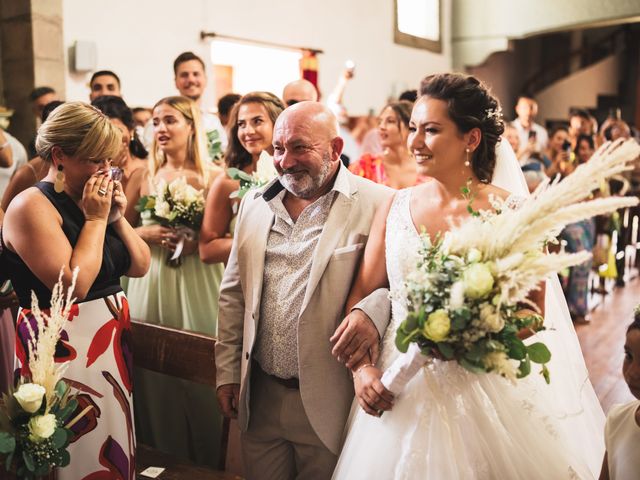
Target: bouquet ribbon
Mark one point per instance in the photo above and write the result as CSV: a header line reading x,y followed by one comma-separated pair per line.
x,y
404,368
185,233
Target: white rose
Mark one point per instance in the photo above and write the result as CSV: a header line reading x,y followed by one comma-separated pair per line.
x,y
474,255
191,194
456,298
42,427
177,188
30,396
162,209
491,318
265,170
478,280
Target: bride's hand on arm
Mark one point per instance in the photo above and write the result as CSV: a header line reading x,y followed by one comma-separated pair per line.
x,y
372,396
357,335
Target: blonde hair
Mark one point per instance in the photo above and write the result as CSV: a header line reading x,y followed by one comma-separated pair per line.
x,y
196,144
79,130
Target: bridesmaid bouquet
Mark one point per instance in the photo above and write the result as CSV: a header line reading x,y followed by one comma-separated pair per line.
x,y
177,205
35,418
265,172
464,296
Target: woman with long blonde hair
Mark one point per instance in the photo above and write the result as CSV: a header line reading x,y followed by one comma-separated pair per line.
x,y
181,294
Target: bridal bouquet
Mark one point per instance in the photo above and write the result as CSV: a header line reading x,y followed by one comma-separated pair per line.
x,y
35,418
465,292
265,172
177,205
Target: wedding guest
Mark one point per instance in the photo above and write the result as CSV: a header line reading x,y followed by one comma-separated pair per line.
x,y
141,115
558,153
578,237
396,167
74,218
104,82
622,431
13,155
31,172
39,98
180,293
295,250
225,104
8,301
133,155
250,134
533,136
190,81
580,123
299,91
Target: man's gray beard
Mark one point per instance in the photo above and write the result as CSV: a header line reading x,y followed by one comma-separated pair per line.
x,y
312,185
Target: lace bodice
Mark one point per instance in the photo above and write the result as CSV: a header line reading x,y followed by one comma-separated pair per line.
x,y
402,243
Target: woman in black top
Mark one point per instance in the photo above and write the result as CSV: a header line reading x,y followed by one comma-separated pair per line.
x,y
75,218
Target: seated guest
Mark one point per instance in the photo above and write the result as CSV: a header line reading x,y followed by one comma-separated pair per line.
x,y
396,167
104,82
225,104
75,218
250,134
133,155
31,172
180,293
533,137
622,430
299,91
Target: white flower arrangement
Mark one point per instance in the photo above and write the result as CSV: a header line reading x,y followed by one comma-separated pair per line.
x,y
34,420
464,295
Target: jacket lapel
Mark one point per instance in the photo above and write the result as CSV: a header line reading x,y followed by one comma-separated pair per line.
x,y
262,222
331,234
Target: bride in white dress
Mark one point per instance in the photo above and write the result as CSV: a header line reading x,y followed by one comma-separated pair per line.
x,y
448,423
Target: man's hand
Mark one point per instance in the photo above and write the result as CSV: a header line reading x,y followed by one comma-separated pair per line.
x,y
228,399
354,338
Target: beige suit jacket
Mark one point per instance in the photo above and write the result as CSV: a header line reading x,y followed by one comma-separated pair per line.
x,y
325,385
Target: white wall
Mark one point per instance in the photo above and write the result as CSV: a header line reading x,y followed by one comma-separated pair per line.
x,y
482,27
579,90
138,39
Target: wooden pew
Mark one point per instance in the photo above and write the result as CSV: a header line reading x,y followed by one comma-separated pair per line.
x,y
189,356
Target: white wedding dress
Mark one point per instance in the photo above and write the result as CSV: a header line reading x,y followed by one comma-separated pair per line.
x,y
449,424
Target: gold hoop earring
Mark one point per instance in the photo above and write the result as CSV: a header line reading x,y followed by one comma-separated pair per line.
x,y
58,185
467,163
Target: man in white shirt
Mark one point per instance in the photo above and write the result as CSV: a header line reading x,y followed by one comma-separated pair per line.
x,y
191,80
533,137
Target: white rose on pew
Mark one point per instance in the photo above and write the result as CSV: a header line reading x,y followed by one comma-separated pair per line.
x,y
42,427
30,396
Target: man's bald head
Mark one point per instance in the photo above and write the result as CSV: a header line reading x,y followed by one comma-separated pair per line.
x,y
312,116
299,91
306,149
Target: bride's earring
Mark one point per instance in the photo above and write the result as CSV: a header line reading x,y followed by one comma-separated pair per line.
x,y
467,163
58,185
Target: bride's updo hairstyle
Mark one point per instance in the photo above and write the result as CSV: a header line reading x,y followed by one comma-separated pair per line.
x,y
470,105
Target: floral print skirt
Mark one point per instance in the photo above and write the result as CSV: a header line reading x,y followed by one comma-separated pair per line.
x,y
97,344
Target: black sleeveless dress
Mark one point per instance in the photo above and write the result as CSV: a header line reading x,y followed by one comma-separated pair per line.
x,y
97,344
